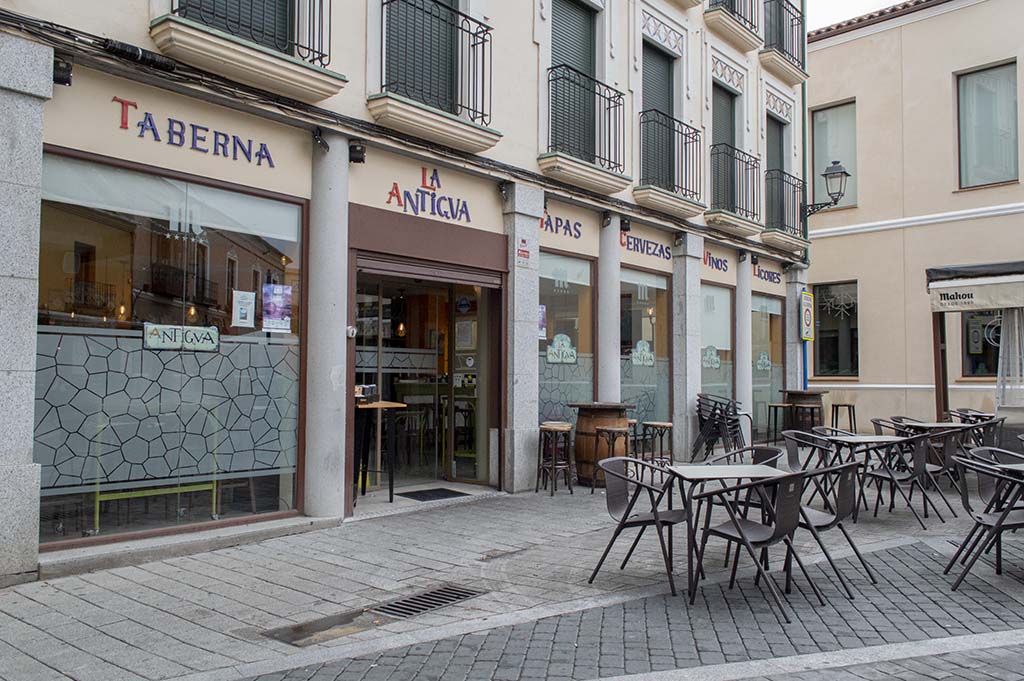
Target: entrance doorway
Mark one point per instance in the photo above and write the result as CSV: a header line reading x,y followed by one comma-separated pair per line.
x,y
433,347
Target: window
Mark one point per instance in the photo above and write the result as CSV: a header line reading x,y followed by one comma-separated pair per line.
x,y
835,139
232,279
981,332
132,408
421,60
716,352
566,335
644,349
835,345
266,22
987,105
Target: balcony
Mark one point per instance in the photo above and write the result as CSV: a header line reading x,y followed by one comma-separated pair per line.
x,y
172,281
785,227
670,162
435,75
783,53
586,132
283,46
735,191
90,296
735,22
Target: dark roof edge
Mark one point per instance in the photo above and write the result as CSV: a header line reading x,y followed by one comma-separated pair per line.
x,y
876,17
996,269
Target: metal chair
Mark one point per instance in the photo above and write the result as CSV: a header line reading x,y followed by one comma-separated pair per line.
x,y
896,428
902,475
999,494
783,518
840,505
622,493
758,455
817,446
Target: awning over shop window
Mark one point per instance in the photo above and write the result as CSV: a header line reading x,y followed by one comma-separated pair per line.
x,y
976,287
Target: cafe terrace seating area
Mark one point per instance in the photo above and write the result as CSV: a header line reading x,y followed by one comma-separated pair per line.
x,y
753,507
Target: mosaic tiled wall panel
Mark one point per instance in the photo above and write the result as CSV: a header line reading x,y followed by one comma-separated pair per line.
x,y
108,411
564,384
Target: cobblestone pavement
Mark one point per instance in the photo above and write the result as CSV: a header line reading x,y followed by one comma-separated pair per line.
x,y
203,616
911,602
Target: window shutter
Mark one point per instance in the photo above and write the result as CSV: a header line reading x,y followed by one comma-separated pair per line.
x,y
572,36
775,133
265,22
657,80
421,59
723,116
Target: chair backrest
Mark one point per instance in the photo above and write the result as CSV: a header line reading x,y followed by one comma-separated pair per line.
x,y
842,481
757,455
990,479
882,425
991,431
790,489
919,447
795,439
828,431
621,490
995,455
949,445
1021,438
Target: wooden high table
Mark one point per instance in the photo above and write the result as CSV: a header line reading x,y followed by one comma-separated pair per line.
x,y
589,450
804,398
364,422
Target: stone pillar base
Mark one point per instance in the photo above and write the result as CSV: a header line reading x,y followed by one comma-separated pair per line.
x,y
19,523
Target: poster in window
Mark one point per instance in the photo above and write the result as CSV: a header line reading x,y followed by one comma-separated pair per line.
x,y
243,309
277,308
543,328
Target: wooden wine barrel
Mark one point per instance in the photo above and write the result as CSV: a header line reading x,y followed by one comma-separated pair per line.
x,y
589,450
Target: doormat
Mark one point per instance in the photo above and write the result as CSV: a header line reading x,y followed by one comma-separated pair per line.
x,y
432,494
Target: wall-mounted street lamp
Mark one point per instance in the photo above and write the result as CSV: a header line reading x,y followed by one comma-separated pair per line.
x,y
835,185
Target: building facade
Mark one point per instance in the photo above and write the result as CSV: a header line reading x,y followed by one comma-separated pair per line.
x,y
929,126
224,217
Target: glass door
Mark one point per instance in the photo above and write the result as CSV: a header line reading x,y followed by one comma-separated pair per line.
x,y
768,352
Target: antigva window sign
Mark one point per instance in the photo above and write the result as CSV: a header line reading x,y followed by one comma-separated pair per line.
x,y
176,337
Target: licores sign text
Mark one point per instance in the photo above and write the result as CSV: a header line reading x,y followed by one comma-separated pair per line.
x,y
191,135
428,199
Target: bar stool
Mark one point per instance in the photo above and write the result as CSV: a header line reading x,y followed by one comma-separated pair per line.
x,y
851,415
778,420
656,432
635,445
807,413
611,436
554,457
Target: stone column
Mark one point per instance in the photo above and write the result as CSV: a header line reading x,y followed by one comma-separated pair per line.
x,y
26,82
523,210
796,283
327,344
687,257
606,345
743,366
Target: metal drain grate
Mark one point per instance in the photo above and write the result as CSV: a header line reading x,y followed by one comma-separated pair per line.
x,y
417,604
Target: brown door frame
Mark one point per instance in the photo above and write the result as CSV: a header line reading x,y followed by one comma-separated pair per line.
x,y
939,348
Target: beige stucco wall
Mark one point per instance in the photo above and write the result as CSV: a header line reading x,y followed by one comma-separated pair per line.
x,y
521,57
902,75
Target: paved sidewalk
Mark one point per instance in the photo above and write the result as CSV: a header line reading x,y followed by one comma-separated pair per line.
x,y
204,616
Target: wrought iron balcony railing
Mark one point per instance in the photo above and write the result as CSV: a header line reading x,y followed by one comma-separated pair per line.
x,y
300,28
784,30
670,154
735,182
586,119
438,56
90,295
744,11
784,201
174,282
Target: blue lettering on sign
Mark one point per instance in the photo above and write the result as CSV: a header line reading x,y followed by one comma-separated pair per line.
x,y
572,229
767,275
425,199
719,264
636,244
197,136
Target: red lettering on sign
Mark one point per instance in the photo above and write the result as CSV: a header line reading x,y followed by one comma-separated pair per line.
x,y
125,104
395,193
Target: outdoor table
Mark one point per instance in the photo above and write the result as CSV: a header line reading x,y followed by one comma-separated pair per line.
x,y
933,425
695,474
869,444
364,421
